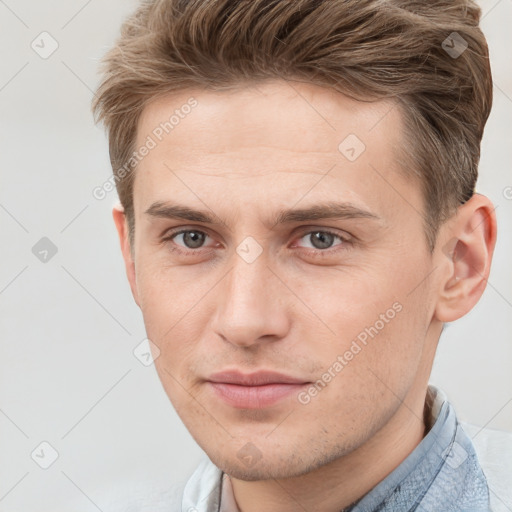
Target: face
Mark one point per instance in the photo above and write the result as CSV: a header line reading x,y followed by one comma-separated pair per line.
x,y
275,232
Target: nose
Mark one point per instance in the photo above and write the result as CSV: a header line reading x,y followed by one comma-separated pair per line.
x,y
250,305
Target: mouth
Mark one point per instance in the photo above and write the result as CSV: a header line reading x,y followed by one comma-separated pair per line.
x,y
254,391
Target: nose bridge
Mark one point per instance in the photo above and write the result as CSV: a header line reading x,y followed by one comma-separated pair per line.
x,y
248,307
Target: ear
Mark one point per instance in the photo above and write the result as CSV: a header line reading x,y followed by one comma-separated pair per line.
x,y
122,230
465,255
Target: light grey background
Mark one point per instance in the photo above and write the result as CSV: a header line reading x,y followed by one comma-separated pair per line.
x,y
69,326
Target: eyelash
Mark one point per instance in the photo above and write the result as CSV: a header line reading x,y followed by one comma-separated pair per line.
x,y
344,245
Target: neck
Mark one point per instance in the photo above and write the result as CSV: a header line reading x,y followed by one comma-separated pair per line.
x,y
340,483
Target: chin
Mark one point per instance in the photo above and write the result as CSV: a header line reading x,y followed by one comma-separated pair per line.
x,y
267,472
265,468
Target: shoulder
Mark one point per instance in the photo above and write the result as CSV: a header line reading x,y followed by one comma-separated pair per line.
x,y
142,496
494,451
196,493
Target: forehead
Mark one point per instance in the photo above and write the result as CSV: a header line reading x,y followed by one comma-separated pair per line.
x,y
276,113
267,139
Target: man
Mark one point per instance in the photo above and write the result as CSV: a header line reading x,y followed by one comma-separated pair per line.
x,y
298,220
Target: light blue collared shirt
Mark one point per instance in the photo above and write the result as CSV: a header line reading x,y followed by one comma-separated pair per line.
x,y
442,474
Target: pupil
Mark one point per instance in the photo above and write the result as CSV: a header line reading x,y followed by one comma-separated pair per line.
x,y
321,240
193,239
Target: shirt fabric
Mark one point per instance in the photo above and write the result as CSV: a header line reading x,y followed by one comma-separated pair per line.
x,y
441,474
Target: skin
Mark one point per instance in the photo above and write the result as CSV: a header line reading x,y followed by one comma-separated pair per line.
x,y
244,155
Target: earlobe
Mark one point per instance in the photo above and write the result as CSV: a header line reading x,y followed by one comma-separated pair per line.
x,y
122,230
465,260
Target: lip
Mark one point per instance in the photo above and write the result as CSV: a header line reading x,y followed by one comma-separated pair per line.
x,y
255,390
259,378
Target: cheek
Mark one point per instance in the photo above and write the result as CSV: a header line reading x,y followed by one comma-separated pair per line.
x,y
351,302
377,321
166,294
169,311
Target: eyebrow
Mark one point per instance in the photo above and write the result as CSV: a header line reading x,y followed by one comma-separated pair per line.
x,y
329,210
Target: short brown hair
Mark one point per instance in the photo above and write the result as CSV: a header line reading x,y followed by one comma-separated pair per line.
x,y
414,52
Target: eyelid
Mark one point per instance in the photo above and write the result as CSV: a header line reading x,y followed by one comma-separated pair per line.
x,y
302,229
170,234
345,238
184,228
345,243
343,235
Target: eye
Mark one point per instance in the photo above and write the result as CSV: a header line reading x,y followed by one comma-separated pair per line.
x,y
322,240
191,239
